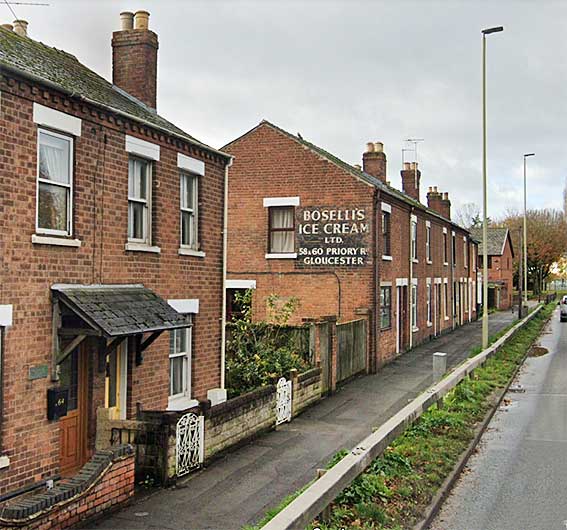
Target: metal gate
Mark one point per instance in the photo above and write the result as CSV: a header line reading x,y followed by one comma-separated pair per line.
x,y
283,401
189,443
351,338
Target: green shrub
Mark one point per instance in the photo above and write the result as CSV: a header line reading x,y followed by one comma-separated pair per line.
x,y
259,353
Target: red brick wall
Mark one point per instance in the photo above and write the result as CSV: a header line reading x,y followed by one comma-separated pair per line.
x,y
502,269
100,221
114,487
269,164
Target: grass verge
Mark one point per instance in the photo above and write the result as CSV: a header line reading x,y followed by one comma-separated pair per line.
x,y
398,486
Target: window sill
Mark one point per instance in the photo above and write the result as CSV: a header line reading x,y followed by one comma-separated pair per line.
x,y
445,264
55,241
414,329
142,247
429,262
415,260
290,255
181,403
4,462
387,258
446,318
429,324
191,252
389,328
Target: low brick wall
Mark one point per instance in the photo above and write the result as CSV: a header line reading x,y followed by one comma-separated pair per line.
x,y
239,419
104,483
306,390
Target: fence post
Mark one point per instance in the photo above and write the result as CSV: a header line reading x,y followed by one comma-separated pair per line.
x,y
293,375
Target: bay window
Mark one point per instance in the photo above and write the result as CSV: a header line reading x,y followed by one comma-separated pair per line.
x,y
54,183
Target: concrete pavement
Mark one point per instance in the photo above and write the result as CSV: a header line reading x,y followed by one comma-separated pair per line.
x,y
517,478
238,489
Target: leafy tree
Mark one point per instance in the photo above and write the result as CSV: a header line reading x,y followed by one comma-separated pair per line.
x,y
259,353
546,242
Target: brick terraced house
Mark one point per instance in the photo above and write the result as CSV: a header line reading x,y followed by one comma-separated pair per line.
x,y
111,270
500,266
344,242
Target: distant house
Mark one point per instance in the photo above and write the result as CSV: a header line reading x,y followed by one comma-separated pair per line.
x,y
500,265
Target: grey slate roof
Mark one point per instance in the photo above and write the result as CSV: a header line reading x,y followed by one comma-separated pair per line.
x,y
120,310
358,173
496,240
55,67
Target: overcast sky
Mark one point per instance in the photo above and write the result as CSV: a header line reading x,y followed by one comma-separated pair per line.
x,y
345,72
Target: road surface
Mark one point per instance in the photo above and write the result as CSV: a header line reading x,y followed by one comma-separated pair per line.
x,y
517,480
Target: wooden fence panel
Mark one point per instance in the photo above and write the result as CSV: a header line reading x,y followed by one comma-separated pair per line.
x,y
351,360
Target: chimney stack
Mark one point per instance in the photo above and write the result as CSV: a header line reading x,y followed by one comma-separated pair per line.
x,y
411,176
439,202
134,57
374,160
20,27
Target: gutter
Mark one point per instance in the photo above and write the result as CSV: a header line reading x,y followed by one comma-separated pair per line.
x,y
55,86
224,267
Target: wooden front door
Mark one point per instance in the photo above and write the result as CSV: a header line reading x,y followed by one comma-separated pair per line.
x,y
403,328
73,427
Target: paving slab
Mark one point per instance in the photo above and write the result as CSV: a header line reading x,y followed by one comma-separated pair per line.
x,y
239,488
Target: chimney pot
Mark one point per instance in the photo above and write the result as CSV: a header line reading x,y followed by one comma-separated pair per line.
x,y
413,165
407,166
378,147
374,160
9,27
445,196
369,147
141,20
21,27
126,20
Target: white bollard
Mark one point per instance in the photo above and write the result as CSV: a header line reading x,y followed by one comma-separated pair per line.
x,y
439,365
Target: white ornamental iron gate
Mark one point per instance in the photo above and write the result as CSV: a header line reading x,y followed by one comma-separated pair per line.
x,y
189,443
283,401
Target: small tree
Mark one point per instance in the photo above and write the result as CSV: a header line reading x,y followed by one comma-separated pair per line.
x,y
257,352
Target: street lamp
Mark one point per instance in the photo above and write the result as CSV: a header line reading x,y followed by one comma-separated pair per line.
x,y
485,32
525,233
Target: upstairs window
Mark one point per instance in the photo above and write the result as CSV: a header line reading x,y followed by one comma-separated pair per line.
x,y
54,183
454,250
465,253
428,243
414,239
189,211
281,230
445,249
139,200
386,234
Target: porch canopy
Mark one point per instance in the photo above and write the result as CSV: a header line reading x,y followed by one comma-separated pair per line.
x,y
112,313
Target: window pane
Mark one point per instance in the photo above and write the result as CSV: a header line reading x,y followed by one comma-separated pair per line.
x,y
138,179
53,207
54,158
187,229
137,220
69,378
282,217
281,242
183,339
176,365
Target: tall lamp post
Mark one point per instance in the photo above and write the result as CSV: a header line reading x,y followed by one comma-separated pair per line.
x,y
485,32
526,233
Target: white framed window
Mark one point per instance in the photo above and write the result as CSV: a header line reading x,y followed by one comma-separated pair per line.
x,y
139,200
180,346
428,243
429,304
414,238
446,299
189,184
465,253
414,307
54,198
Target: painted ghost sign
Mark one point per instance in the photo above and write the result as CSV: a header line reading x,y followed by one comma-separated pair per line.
x,y
332,237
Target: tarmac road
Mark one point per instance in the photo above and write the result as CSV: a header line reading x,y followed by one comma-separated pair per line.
x,y
517,480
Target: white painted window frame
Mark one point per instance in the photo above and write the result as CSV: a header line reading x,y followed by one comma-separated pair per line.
x,y
269,202
414,239
429,295
446,298
194,210
186,369
414,315
428,243
147,202
465,252
69,187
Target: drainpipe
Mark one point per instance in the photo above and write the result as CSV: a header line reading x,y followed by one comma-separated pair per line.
x,y
224,260
410,280
376,277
